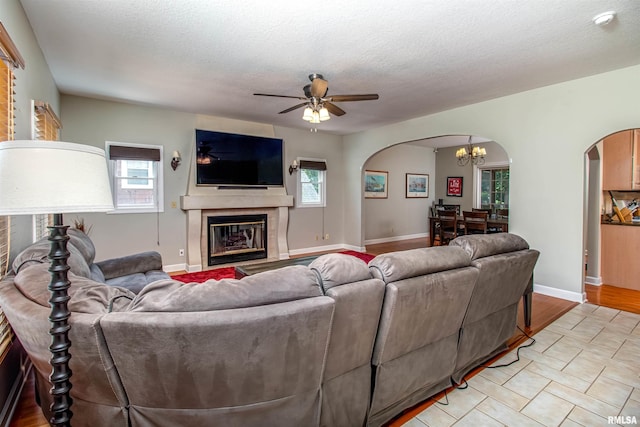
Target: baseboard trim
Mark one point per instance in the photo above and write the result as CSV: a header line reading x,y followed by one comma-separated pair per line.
x,y
396,238
326,248
174,267
560,293
590,280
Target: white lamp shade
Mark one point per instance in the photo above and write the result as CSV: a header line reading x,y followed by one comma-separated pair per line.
x,y
324,114
38,177
308,114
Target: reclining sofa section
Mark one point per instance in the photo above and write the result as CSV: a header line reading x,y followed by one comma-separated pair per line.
x,y
337,343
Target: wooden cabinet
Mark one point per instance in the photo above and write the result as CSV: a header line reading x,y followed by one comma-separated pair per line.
x,y
621,161
620,249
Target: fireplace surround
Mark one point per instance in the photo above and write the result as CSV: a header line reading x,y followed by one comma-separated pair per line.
x,y
236,238
273,202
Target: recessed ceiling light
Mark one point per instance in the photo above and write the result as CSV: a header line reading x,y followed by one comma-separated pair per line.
x,y
604,18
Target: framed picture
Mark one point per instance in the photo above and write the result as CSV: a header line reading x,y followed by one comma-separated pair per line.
x,y
417,185
376,184
454,186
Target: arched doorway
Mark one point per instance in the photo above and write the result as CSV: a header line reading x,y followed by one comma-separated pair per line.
x,y
611,234
397,216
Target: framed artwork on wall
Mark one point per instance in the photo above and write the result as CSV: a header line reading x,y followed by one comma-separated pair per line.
x,y
417,185
376,184
454,186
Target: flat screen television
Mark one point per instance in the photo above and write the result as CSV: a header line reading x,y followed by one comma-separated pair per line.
x,y
229,159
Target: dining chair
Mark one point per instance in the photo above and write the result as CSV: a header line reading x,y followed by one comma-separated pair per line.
x,y
475,222
502,214
448,226
452,207
487,210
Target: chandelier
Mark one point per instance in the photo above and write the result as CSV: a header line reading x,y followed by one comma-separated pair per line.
x,y
475,155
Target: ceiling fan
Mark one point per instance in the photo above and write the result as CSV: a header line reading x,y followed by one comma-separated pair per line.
x,y
318,104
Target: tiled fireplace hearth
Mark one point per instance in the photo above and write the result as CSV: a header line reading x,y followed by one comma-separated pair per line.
x,y
271,203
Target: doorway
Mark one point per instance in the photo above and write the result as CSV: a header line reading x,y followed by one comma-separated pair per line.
x,y
599,226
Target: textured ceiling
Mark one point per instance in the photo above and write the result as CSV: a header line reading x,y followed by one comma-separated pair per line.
x,y
420,56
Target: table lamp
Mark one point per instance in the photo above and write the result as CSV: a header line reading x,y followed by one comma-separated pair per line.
x,y
52,177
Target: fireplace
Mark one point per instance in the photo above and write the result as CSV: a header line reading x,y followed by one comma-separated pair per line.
x,y
236,238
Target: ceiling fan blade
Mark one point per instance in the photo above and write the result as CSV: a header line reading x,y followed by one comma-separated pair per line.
x,y
295,107
334,109
280,96
319,87
346,98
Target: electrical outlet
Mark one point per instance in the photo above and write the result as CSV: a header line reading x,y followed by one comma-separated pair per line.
x,y
174,204
181,252
326,236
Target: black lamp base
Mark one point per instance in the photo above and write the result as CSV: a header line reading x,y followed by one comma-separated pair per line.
x,y
59,317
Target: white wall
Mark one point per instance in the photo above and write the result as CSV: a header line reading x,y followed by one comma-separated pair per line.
x,y
396,216
546,133
307,223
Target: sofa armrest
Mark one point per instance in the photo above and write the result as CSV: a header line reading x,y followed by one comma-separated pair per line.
x,y
130,264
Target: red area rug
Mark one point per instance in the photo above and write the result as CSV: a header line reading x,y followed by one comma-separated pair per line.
x,y
229,272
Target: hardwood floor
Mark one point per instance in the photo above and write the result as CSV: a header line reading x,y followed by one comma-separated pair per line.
x,y
545,310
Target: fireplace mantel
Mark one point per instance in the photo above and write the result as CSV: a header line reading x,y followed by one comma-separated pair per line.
x,y
235,200
216,201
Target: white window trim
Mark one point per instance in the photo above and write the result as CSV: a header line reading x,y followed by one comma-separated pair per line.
x,y
323,196
159,206
477,176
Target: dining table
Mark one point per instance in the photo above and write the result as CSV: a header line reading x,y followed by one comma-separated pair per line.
x,y
501,224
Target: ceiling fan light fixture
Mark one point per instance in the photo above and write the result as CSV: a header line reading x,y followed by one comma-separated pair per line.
x,y
324,114
316,117
308,114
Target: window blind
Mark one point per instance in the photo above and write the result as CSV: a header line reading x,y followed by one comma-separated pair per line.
x,y
315,165
7,97
120,152
46,126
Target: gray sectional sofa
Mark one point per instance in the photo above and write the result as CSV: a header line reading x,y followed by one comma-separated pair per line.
x,y
337,343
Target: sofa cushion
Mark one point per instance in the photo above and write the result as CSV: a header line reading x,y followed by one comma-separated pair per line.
x,y
484,245
130,264
134,282
83,243
86,296
269,287
39,252
337,269
395,266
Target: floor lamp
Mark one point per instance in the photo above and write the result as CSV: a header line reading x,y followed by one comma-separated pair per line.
x,y
44,177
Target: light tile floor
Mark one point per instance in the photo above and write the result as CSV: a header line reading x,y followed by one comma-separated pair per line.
x,y
583,369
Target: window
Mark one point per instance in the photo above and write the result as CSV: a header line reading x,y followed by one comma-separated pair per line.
x,y
45,126
136,177
9,58
494,188
311,188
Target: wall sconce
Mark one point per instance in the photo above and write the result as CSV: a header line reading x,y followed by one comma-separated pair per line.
x,y
293,167
175,160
